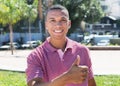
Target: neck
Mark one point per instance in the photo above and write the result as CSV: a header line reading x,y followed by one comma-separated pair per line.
x,y
59,44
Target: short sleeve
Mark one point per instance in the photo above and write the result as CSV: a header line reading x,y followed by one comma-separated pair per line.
x,y
34,68
89,63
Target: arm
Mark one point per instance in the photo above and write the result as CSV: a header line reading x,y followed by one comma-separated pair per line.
x,y
72,76
59,81
91,82
77,74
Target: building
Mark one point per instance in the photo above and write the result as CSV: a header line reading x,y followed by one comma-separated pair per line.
x,y
108,24
111,8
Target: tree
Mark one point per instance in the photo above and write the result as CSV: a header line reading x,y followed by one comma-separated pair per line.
x,y
82,10
40,8
11,11
9,15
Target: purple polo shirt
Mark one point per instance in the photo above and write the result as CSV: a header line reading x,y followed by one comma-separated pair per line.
x,y
45,61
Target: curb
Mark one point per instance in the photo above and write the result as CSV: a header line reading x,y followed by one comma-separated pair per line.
x,y
12,70
104,47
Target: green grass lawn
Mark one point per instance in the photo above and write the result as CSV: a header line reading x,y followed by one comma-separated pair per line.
x,y
108,80
8,78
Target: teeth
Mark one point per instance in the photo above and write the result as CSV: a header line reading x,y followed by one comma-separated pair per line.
x,y
58,31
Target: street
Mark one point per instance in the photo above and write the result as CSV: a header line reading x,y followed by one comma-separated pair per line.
x,y
104,61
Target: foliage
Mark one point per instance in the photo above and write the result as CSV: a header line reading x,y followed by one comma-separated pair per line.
x,y
118,22
89,11
31,11
115,41
11,11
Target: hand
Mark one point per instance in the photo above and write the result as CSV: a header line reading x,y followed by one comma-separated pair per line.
x,y
77,73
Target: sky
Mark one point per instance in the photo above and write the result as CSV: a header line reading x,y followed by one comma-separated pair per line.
x,y
114,8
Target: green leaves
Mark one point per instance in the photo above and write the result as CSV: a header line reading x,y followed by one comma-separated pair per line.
x,y
3,8
8,12
11,11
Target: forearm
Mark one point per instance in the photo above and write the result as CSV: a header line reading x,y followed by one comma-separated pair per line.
x,y
59,81
92,82
74,75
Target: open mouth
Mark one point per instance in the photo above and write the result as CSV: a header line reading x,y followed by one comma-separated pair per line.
x,y
58,31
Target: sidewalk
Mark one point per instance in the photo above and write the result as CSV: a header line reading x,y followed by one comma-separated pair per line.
x,y
15,62
104,62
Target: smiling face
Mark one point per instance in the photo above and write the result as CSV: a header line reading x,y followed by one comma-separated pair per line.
x,y
57,23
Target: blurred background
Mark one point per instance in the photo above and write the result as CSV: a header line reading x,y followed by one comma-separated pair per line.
x,y
94,22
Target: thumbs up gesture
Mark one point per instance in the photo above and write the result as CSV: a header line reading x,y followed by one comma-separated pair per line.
x,y
77,61
77,73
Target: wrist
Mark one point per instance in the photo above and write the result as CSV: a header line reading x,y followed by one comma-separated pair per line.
x,y
61,80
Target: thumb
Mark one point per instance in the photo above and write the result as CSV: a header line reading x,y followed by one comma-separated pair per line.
x,y
77,61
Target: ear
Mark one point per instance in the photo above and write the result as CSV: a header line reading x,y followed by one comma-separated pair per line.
x,y
46,26
69,24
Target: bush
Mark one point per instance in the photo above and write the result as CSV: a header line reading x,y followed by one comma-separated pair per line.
x,y
115,41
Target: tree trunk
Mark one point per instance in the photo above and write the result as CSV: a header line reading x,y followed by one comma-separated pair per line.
x,y
40,9
11,38
40,14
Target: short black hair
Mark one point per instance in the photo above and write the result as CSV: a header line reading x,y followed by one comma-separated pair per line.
x,y
57,7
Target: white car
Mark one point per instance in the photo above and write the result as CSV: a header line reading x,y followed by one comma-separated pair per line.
x,y
103,43
8,46
30,44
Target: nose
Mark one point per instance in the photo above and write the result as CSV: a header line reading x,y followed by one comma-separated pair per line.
x,y
58,23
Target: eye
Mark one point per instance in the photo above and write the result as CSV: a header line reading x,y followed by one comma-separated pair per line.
x,y
63,20
52,21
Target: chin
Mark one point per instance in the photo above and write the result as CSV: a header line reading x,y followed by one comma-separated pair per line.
x,y
59,37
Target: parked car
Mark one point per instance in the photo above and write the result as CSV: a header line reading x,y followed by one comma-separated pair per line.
x,y
30,44
86,42
8,46
103,43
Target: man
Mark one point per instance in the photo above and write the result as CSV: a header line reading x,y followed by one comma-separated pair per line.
x,y
59,61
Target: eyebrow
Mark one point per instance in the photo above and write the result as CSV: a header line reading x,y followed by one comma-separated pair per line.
x,y
61,18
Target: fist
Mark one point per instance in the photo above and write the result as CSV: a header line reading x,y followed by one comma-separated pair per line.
x,y
77,73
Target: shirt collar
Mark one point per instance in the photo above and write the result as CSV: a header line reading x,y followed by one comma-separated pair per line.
x,y
69,44
49,48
